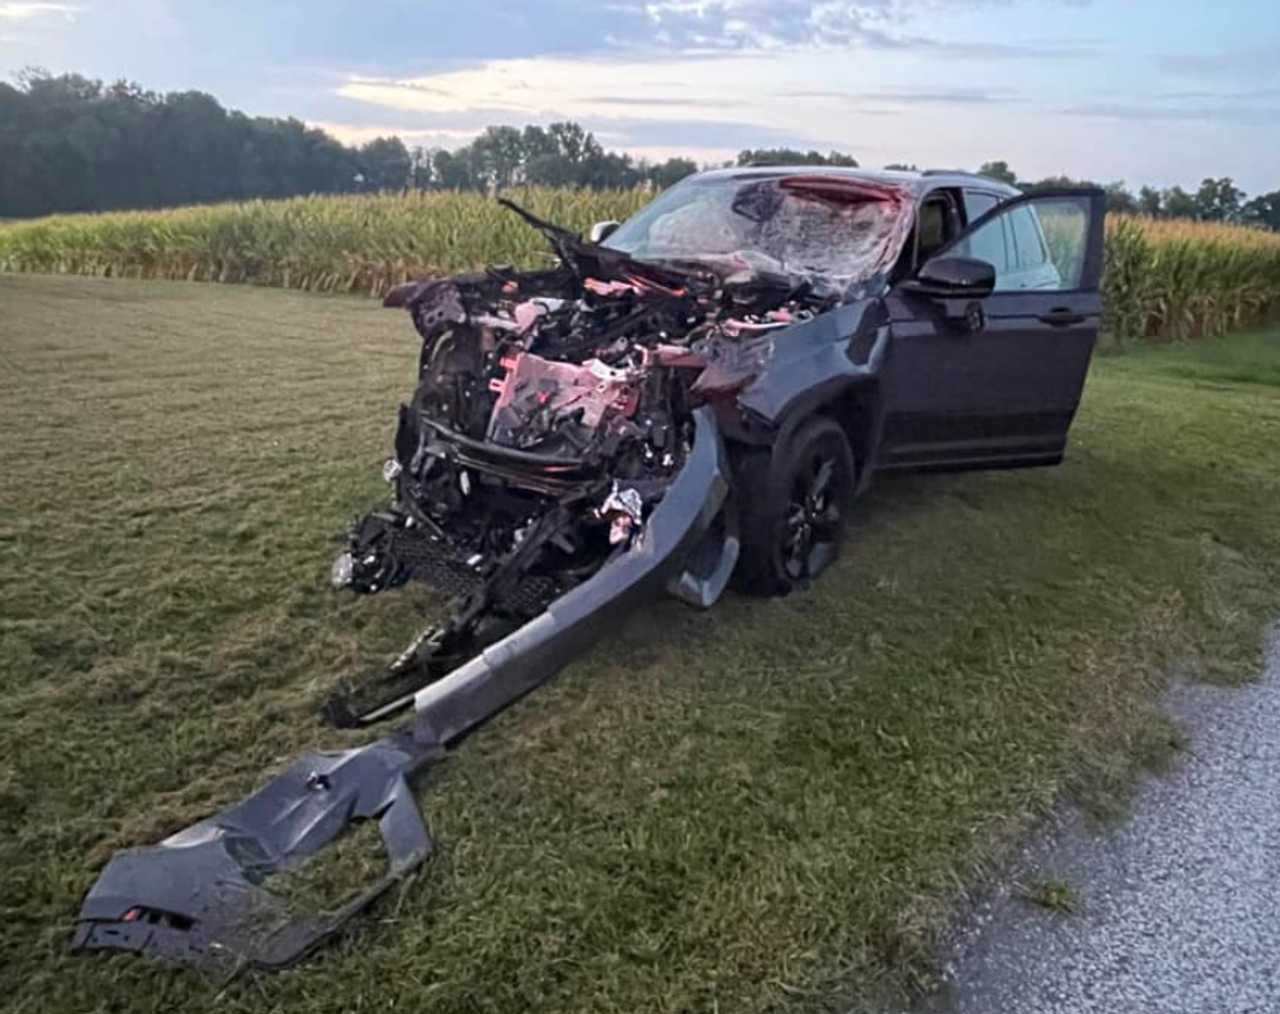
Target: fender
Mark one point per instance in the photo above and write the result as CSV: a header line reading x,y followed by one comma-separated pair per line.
x,y
821,362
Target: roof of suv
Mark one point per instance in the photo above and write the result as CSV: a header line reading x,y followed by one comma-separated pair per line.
x,y
917,182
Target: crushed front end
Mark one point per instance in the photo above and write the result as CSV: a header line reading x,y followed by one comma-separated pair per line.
x,y
554,410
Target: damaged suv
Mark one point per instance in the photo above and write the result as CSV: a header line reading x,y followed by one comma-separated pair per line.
x,y
695,395
688,398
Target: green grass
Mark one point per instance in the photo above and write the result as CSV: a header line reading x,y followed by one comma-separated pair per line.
x,y
773,805
1051,894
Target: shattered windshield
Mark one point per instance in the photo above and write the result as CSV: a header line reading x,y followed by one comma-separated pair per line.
x,y
832,227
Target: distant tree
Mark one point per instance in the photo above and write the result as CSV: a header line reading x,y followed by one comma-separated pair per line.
x,y
386,164
1264,211
1177,203
670,172
420,167
560,154
1052,183
792,156
71,144
609,169
1218,200
499,156
1149,202
999,171
1120,199
452,170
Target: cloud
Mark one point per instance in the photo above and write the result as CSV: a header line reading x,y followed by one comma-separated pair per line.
x,y
526,87
1251,62
702,140
631,133
382,82
349,115
922,97
640,100
1247,95
774,25
428,137
1225,113
14,11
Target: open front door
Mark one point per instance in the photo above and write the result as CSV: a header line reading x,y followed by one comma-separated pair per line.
x,y
1000,390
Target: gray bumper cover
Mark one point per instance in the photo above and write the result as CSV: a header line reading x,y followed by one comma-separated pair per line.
x,y
200,895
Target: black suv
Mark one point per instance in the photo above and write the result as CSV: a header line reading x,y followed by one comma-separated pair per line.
x,y
692,396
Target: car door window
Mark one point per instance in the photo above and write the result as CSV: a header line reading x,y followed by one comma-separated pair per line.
x,y
988,244
977,204
932,229
1039,244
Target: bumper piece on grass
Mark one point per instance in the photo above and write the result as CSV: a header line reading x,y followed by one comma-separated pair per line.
x,y
201,896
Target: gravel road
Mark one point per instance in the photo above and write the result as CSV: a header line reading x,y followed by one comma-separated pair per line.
x,y
1179,907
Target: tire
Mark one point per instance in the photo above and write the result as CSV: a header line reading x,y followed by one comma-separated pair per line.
x,y
794,501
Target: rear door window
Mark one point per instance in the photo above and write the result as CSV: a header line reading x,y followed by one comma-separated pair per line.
x,y
990,244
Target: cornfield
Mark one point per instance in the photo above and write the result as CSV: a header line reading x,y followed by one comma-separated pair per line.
x,y
1164,279
364,243
1175,279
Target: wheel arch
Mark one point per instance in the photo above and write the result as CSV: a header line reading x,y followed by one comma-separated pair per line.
x,y
855,403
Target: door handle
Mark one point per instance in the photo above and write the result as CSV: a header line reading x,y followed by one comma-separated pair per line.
x,y
1062,316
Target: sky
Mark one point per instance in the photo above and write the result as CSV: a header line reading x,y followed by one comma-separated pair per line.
x,y
1155,92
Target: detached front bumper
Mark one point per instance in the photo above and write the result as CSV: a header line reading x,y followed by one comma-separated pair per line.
x,y
201,896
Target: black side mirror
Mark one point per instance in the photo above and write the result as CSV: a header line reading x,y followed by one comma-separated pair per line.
x,y
953,278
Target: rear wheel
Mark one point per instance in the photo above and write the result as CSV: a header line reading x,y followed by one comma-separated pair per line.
x,y
794,501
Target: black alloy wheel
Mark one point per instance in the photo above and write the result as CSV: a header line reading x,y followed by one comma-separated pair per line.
x,y
794,501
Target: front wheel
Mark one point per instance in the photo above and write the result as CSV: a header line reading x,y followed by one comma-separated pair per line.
x,y
794,500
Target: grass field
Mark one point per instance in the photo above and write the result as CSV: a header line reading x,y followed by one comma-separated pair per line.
x,y
770,806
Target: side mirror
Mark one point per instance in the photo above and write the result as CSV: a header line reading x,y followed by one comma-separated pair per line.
x,y
953,278
603,230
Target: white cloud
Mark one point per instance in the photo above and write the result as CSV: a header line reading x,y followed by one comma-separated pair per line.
x,y
778,25
434,137
15,11
526,88
772,24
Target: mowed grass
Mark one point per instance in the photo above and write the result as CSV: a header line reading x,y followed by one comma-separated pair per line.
x,y
772,805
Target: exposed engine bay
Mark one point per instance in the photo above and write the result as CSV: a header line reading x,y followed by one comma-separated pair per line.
x,y
553,410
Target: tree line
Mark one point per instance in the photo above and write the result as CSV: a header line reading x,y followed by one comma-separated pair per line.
x,y
74,144
71,144
1216,200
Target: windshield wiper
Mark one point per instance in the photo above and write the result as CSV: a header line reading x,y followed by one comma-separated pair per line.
x,y
591,260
